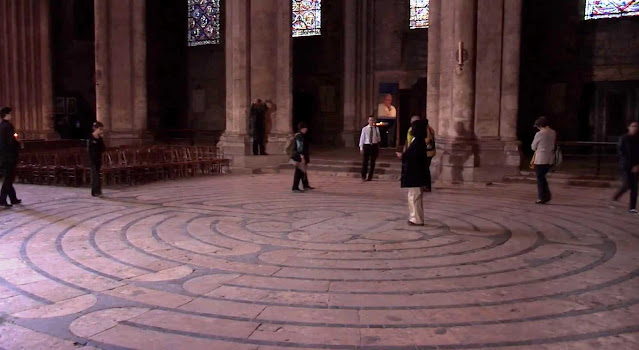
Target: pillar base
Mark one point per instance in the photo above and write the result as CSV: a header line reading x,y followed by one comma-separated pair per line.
x,y
350,138
470,160
239,149
276,143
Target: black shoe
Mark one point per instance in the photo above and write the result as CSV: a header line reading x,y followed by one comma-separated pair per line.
x,y
6,205
539,201
369,179
17,201
297,190
414,224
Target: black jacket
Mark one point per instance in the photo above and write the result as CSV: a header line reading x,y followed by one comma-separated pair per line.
x,y
95,148
301,148
414,159
628,149
9,145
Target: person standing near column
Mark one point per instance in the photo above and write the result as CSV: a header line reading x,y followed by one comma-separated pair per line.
x,y
387,113
9,150
544,146
414,172
369,148
628,149
95,149
258,126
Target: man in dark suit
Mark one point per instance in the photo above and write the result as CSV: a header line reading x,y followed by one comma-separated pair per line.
x,y
628,148
258,126
9,148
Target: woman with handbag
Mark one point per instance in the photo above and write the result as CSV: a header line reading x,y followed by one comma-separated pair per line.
x,y
414,172
544,146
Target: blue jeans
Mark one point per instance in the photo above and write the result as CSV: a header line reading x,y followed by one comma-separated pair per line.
x,y
543,192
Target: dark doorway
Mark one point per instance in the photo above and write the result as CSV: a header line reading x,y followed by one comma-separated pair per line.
x,y
73,59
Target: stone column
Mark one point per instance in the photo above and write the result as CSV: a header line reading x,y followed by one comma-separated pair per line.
x,y
25,66
120,51
259,65
235,141
510,72
510,84
490,17
349,131
477,101
434,56
464,78
457,158
271,67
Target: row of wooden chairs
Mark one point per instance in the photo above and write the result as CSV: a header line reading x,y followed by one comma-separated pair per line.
x,y
129,165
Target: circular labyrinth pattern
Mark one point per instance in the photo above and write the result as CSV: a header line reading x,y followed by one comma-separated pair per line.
x,y
240,263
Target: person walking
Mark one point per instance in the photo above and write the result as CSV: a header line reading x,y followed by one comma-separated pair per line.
x,y
414,172
301,158
95,149
369,148
9,151
628,149
544,145
258,126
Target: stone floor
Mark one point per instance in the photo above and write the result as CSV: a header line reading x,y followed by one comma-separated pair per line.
x,y
239,262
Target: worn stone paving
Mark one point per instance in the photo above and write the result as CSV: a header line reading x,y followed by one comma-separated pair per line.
x,y
240,262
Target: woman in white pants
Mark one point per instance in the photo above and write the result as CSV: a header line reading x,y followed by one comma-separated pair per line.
x,y
414,172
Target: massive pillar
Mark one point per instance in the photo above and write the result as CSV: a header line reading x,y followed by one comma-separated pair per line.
x,y
478,69
25,66
356,79
258,65
120,63
433,74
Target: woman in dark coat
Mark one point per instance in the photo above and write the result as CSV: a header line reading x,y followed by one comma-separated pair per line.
x,y
414,172
9,149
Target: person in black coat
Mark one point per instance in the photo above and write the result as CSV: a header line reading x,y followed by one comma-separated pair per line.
x,y
258,126
9,150
415,173
628,149
95,148
301,158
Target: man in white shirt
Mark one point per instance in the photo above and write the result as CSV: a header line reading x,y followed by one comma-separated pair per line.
x,y
369,148
386,112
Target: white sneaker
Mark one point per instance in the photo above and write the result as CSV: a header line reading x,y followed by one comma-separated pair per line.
x,y
633,211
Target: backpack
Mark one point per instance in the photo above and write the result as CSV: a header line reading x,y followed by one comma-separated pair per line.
x,y
290,145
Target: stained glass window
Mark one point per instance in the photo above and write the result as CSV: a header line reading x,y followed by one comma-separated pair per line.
x,y
204,22
611,8
419,13
307,17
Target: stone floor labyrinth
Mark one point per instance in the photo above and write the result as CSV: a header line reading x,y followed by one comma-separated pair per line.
x,y
239,262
